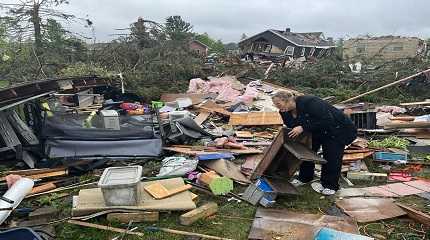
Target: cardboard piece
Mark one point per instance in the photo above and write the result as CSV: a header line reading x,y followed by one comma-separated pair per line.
x,y
158,191
91,200
370,209
284,224
227,169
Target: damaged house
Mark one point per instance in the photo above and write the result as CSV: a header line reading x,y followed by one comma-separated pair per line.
x,y
277,43
383,48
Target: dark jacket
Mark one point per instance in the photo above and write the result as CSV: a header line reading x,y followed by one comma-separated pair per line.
x,y
321,119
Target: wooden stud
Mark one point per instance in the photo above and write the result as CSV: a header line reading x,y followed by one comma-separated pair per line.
x,y
103,227
126,217
203,211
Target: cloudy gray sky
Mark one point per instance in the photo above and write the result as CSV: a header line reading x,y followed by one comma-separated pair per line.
x,y
228,19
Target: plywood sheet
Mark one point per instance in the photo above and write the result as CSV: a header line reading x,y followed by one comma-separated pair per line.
x,y
255,118
401,189
420,184
91,200
380,191
370,209
282,224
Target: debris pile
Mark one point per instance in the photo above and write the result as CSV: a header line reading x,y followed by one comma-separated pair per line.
x,y
223,142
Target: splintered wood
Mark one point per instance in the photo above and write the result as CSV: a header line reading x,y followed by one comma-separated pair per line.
x,y
255,118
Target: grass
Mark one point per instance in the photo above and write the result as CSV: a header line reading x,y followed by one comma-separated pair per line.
x,y
234,220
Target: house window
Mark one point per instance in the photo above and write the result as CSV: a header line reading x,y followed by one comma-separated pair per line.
x,y
289,51
311,53
321,53
360,48
303,52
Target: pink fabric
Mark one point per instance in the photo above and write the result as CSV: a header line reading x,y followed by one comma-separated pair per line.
x,y
224,88
11,179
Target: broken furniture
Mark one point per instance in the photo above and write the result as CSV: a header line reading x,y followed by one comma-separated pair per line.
x,y
285,155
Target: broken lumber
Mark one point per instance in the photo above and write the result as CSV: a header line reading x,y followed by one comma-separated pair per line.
x,y
415,214
385,86
394,125
255,118
103,227
367,176
126,217
158,191
202,117
194,215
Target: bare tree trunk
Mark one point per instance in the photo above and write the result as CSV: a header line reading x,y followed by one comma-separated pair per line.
x,y
36,25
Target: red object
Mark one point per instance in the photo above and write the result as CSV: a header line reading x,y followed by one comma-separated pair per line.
x,y
130,106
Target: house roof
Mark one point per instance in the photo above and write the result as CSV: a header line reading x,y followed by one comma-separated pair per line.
x,y
197,41
309,39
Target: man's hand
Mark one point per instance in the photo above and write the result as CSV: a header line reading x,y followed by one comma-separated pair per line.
x,y
295,132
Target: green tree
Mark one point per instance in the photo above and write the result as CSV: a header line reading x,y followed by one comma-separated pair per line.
x,y
177,29
30,16
215,45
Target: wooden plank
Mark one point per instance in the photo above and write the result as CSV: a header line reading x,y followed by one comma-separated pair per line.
x,y
404,118
202,117
394,125
255,118
415,214
415,103
28,172
91,200
126,217
49,174
158,191
203,211
356,156
212,107
244,134
268,155
301,152
103,227
189,151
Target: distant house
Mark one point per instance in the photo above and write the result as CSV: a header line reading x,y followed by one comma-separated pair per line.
x,y
383,48
201,48
277,43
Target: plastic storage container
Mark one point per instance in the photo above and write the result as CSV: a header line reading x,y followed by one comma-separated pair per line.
x,y
110,119
119,185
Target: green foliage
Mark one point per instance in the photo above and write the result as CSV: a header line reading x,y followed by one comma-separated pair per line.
x,y
390,142
81,69
331,77
177,29
215,46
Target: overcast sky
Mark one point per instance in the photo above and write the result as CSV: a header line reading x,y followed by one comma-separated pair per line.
x,y
228,19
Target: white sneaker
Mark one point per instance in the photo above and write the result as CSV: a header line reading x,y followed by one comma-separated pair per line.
x,y
328,192
317,187
297,183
